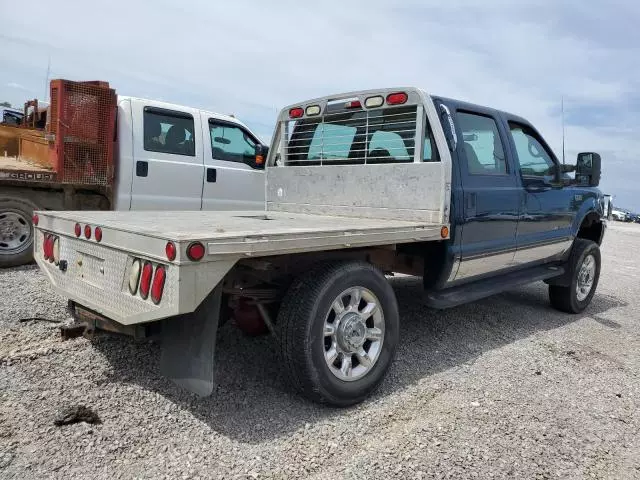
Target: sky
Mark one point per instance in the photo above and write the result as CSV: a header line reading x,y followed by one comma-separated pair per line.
x,y
253,57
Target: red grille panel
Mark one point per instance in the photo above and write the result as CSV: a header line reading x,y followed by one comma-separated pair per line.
x,y
83,117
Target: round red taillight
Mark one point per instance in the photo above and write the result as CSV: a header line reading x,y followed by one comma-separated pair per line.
x,y
145,279
98,234
397,98
171,251
296,112
158,284
35,219
87,231
45,247
195,251
78,230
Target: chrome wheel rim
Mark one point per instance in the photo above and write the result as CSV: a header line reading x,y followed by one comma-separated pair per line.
x,y
586,277
353,333
15,232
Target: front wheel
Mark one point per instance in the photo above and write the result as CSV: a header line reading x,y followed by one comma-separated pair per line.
x,y
584,271
338,330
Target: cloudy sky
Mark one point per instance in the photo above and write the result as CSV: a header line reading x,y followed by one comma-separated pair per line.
x,y
250,57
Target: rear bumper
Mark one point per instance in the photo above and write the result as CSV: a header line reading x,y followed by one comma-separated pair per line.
x,y
96,277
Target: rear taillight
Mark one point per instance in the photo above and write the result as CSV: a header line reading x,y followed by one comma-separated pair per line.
x,y
170,250
77,230
45,247
98,234
87,232
35,219
158,284
195,251
134,276
296,112
55,253
145,279
397,98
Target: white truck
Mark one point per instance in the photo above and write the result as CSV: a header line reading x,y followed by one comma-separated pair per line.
x,y
357,184
108,152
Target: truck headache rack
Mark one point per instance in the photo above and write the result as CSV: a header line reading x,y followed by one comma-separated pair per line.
x,y
361,129
82,125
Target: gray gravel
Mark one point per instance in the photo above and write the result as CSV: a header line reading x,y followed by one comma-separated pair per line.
x,y
504,388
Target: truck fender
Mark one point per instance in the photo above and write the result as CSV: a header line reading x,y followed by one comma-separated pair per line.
x,y
589,214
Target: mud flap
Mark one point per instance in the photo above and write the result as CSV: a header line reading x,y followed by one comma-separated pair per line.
x,y
188,346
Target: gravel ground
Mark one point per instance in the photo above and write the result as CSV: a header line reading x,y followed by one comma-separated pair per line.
x,y
503,388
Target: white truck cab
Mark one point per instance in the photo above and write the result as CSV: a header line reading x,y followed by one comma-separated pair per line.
x,y
172,157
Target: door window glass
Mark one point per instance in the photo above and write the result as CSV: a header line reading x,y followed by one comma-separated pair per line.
x,y
169,133
482,145
231,142
533,157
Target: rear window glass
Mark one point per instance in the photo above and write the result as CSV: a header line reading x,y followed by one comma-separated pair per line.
x,y
354,137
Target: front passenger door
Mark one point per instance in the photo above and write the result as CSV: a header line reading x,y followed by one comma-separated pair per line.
x,y
544,230
231,182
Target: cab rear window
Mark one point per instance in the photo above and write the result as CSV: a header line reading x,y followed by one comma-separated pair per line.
x,y
355,136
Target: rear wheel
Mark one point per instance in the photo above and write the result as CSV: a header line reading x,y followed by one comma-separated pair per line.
x,y
16,231
338,330
584,272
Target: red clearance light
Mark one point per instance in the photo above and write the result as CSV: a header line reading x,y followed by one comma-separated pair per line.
x,y
35,219
158,284
195,251
98,234
353,104
397,98
296,112
171,251
145,279
87,231
78,230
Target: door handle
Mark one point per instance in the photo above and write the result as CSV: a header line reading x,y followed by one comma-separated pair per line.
x,y
142,168
211,175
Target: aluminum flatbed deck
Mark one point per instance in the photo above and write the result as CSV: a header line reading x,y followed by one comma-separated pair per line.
x,y
247,233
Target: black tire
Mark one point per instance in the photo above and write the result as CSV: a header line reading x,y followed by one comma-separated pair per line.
x,y
10,209
300,330
565,298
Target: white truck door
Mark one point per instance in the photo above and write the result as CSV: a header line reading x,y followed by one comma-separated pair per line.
x,y
168,168
230,182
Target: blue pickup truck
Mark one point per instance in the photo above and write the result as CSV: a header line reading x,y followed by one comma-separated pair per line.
x,y
360,184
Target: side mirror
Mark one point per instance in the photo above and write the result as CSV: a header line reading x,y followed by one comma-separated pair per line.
x,y
260,159
588,169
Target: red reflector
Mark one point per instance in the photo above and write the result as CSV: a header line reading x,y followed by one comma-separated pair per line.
x,y
170,250
158,284
87,231
78,230
353,104
35,219
45,247
296,112
397,98
98,234
145,279
195,251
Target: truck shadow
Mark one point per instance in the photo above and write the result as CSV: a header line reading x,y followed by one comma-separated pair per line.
x,y
251,402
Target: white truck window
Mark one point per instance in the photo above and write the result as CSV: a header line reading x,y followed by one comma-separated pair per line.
x,y
231,142
166,131
482,144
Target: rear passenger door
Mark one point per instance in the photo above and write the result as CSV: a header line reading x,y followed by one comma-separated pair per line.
x,y
168,168
491,195
231,180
